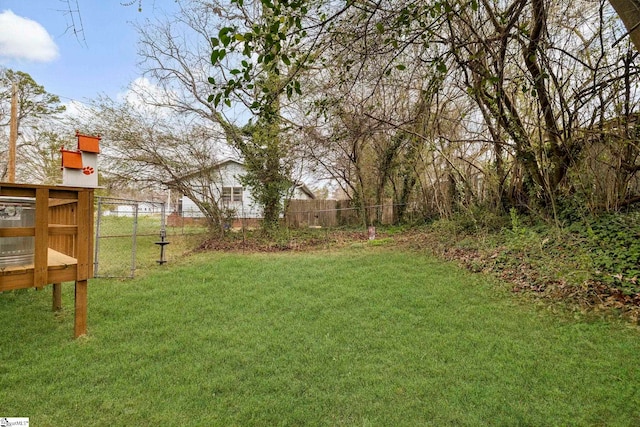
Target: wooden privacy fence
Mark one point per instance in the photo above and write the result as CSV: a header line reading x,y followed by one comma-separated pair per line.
x,y
62,233
333,213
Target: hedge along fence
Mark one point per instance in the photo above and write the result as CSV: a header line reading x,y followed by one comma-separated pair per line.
x,y
333,213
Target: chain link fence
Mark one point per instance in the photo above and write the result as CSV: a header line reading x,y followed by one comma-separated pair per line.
x,y
133,235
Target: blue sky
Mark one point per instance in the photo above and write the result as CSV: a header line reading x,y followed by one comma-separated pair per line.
x,y
36,36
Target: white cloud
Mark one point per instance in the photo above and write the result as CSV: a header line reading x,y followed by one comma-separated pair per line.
x,y
143,88
22,38
142,94
76,110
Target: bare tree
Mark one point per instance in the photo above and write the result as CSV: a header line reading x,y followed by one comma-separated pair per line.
x,y
152,147
177,56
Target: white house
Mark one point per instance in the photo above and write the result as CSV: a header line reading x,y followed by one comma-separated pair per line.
x,y
226,187
128,210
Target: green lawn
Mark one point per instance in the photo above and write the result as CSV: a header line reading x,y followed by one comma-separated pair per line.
x,y
116,250
358,336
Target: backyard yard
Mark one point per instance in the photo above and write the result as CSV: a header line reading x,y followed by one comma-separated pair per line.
x,y
361,335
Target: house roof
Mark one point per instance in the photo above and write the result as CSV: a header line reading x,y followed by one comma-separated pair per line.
x,y
302,187
297,184
198,172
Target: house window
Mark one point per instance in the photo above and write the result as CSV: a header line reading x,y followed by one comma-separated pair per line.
x,y
232,194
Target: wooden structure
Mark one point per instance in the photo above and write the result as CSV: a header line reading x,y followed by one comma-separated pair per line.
x,y
63,247
333,213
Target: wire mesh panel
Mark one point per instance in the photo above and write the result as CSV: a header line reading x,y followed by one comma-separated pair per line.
x,y
128,233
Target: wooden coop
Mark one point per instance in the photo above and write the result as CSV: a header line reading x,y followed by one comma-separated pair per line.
x,y
60,239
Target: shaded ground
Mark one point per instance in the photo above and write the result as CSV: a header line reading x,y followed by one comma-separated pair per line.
x,y
284,241
589,295
553,272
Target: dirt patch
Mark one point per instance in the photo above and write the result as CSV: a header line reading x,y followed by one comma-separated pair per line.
x,y
258,243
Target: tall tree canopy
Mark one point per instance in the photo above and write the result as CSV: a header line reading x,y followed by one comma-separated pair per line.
x,y
544,77
37,111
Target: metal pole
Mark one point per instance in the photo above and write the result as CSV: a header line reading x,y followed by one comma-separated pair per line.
x,y
163,222
163,234
96,254
133,243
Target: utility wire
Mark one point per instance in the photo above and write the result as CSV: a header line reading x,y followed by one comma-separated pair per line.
x,y
75,17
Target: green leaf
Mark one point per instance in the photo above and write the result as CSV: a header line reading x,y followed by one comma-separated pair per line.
x,y
212,80
401,67
286,60
224,31
225,39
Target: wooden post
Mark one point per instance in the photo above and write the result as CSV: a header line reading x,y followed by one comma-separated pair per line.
x,y
41,251
80,323
57,296
85,236
85,227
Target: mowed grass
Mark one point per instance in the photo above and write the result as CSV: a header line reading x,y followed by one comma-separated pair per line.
x,y
366,336
116,255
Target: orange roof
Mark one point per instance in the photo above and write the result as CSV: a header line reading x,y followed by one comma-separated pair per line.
x,y
71,159
87,143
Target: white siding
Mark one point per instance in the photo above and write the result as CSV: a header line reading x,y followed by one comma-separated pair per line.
x,y
229,176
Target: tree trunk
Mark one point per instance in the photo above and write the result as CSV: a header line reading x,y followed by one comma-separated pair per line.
x,y
629,12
